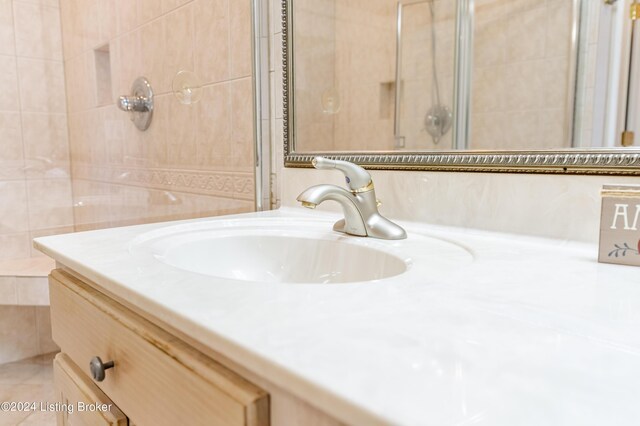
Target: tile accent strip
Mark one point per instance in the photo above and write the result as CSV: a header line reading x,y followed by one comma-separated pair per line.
x,y
237,185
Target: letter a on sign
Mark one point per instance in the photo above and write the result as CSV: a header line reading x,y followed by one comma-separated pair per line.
x,y
622,210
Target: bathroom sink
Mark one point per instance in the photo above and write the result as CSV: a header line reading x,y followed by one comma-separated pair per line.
x,y
276,251
272,252
289,259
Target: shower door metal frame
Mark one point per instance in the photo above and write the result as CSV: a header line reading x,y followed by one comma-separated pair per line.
x,y
397,137
463,57
463,74
576,56
634,92
619,161
261,91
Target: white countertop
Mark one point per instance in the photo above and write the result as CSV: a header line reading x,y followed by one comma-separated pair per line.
x,y
531,332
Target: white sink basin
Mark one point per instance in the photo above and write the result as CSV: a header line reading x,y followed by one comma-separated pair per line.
x,y
275,251
288,259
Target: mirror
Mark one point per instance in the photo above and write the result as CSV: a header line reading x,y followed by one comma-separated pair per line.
x,y
461,84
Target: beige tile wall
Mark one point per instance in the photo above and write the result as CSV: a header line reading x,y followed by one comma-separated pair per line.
x,y
25,331
345,50
35,187
365,67
194,160
24,291
418,92
25,323
520,74
316,57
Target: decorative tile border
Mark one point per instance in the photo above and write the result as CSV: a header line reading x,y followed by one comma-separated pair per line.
x,y
239,185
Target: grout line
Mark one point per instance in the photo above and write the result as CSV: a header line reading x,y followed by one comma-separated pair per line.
x,y
156,95
35,58
229,61
67,113
36,3
128,32
37,321
24,154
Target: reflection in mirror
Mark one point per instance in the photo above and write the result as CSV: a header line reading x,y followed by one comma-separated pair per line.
x,y
393,76
344,78
522,74
424,75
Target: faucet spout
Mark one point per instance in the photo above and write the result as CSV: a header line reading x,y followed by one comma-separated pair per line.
x,y
353,223
359,204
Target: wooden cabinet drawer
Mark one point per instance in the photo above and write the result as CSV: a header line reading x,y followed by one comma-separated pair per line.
x,y
157,379
74,389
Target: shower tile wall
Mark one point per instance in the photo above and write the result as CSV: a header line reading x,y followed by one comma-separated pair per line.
x,y
316,58
25,331
417,80
365,63
194,160
35,189
520,74
348,49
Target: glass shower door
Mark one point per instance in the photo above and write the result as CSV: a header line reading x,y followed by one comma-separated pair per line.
x,y
425,73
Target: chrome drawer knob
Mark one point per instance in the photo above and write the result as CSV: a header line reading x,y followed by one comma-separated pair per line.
x,y
98,368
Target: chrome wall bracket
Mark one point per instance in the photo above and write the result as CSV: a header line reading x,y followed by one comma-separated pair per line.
x,y
139,104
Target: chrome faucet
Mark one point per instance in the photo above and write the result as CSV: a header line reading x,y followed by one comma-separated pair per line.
x,y
359,203
133,103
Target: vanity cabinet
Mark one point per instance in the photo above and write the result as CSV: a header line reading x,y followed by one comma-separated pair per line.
x,y
156,378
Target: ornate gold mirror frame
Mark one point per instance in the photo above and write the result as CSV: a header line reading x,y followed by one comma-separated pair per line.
x,y
602,161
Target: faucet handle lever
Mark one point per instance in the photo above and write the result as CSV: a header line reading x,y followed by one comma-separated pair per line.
x,y
358,179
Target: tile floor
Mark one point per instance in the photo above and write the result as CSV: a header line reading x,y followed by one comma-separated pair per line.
x,y
28,380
